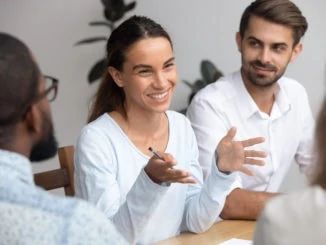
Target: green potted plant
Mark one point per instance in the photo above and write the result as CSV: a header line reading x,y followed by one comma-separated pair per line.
x,y
209,74
114,10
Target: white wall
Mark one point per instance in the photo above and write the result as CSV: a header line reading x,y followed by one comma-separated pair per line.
x,y
200,30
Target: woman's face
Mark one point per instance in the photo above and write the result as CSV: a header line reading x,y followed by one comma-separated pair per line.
x,y
148,76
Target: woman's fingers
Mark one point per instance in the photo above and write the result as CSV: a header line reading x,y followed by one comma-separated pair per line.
x,y
253,161
254,153
179,176
162,170
252,141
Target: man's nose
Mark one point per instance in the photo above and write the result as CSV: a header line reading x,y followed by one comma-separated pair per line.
x,y
264,55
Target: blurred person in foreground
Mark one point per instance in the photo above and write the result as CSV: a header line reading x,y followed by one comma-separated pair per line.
x,y
300,217
28,214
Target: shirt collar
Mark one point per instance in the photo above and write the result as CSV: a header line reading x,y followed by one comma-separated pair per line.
x,y
281,105
17,165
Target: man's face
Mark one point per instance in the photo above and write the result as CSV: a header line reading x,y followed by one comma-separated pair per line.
x,y
47,145
266,50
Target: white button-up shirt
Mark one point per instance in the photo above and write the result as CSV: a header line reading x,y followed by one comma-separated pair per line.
x,y
288,130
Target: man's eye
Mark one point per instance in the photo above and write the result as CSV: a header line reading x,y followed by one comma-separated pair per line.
x,y
279,48
254,44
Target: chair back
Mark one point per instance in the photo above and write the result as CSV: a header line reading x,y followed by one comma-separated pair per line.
x,y
62,177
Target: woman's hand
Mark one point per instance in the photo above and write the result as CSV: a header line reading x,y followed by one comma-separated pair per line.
x,y
232,154
161,170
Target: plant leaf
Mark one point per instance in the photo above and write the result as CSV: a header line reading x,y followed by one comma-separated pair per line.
x,y
91,40
96,71
187,83
198,85
209,71
183,111
130,6
101,23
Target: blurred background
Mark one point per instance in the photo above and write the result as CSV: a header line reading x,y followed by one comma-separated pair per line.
x,y
199,29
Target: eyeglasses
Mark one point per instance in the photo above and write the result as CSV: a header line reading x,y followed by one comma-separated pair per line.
x,y
51,89
50,92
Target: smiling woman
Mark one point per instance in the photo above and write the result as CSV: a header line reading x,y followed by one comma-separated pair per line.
x,y
148,76
114,168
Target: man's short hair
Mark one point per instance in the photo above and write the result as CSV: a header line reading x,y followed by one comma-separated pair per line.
x,y
283,12
19,79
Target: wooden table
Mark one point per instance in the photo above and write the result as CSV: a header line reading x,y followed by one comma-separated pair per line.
x,y
219,232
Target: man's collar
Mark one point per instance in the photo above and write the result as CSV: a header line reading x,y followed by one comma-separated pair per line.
x,y
249,107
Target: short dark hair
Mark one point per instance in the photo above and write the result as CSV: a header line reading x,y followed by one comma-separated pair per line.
x,y
283,12
109,96
19,80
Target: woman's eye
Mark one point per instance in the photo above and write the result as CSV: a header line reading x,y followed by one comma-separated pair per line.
x,y
169,66
144,72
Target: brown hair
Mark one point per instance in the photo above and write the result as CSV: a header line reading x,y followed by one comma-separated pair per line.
x,y
320,136
109,96
283,12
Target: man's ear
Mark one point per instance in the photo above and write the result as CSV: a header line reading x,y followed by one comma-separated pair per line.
x,y
238,40
116,75
33,119
296,51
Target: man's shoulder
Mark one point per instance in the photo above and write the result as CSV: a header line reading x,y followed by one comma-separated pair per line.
x,y
79,220
37,201
91,226
222,90
291,86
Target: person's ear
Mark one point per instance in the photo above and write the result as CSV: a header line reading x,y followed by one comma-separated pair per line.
x,y
296,51
238,40
33,119
116,75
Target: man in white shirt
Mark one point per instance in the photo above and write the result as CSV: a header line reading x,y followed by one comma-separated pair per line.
x,y
259,101
28,214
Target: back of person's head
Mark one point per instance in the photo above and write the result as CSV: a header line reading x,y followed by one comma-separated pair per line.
x,y
283,12
19,80
320,142
109,96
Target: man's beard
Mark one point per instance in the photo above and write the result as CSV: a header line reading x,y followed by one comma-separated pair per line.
x,y
261,80
48,146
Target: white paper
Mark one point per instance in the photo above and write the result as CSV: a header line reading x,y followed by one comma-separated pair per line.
x,y
235,241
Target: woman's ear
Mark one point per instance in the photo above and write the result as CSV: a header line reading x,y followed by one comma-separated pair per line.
x,y
116,75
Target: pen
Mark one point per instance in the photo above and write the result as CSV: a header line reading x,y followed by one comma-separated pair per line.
x,y
159,157
155,153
